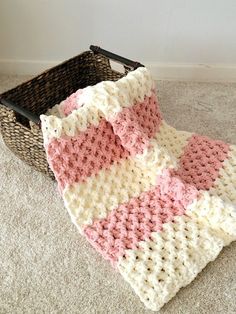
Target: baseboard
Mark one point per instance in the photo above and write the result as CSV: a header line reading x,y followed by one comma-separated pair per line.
x,y
160,71
193,72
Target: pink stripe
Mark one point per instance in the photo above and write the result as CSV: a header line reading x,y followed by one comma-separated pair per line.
x,y
201,161
135,220
136,125
71,102
73,159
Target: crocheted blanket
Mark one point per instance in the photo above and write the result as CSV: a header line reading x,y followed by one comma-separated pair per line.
x,y
158,203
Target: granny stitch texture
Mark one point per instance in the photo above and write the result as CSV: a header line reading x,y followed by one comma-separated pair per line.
x,y
158,203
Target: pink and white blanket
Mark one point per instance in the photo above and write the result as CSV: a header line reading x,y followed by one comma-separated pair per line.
x,y
158,203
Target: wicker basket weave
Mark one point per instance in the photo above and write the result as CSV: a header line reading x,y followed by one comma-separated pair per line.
x,y
36,96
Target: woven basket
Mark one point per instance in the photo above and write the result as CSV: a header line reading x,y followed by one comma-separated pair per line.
x,y
27,101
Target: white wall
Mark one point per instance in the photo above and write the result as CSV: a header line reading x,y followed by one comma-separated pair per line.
x,y
179,38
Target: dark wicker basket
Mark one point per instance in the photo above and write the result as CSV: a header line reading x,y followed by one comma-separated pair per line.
x,y
27,101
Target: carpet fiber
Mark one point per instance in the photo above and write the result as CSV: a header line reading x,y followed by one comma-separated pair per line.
x,y
47,267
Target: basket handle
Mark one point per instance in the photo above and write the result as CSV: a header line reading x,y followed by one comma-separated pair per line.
x,y
115,57
22,111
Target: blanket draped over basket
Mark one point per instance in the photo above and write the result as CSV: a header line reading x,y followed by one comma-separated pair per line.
x,y
156,202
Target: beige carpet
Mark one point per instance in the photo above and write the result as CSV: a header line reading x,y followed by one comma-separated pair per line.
x,y
47,267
